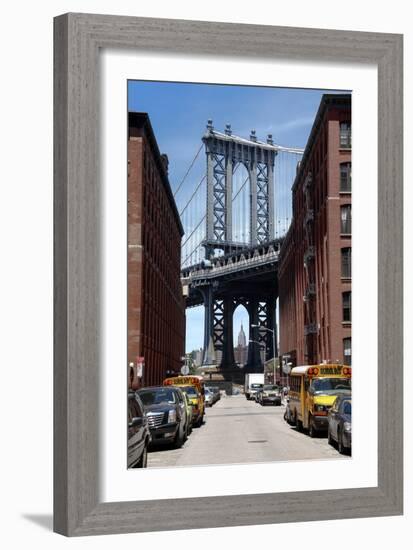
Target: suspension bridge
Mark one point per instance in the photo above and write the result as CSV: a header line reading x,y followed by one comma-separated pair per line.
x,y
234,202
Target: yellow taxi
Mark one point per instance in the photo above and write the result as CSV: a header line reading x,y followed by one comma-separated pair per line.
x,y
194,388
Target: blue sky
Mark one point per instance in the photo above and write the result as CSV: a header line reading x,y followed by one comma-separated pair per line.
x,y
179,113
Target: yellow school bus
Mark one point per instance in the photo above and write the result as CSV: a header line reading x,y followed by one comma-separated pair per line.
x,y
194,387
313,389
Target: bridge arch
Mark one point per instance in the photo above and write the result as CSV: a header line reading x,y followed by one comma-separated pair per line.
x,y
240,323
241,203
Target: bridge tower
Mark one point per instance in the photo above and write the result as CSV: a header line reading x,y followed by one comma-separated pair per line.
x,y
223,152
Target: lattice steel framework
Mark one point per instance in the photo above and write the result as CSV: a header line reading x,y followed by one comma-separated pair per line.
x,y
224,151
219,198
218,324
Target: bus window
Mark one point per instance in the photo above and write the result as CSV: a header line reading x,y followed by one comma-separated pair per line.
x,y
322,385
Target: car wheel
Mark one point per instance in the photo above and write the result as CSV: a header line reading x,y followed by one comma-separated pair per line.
x,y
340,445
312,432
200,421
143,461
299,425
179,439
329,437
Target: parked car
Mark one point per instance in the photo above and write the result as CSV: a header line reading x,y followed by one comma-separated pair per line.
x,y
209,397
216,393
197,402
138,433
256,395
339,424
196,396
189,412
270,393
166,412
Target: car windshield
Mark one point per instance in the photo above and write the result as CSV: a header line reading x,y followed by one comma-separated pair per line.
x,y
190,391
347,408
330,385
256,386
271,387
157,397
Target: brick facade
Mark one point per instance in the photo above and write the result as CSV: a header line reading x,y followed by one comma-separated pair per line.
x,y
156,308
315,262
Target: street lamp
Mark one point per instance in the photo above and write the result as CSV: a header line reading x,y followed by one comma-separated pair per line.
x,y
273,344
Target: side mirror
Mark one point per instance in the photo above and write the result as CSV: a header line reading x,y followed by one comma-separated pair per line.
x,y
136,422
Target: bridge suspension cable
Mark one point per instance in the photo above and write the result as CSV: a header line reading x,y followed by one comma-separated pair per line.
x,y
190,254
193,231
192,196
241,188
189,169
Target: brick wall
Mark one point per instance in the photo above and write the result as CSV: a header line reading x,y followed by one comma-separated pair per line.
x,y
156,309
311,290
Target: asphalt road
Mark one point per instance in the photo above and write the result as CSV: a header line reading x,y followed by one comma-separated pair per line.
x,y
238,431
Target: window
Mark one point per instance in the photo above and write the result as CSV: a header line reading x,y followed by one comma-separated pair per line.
x,y
345,134
346,263
346,219
347,351
345,177
347,307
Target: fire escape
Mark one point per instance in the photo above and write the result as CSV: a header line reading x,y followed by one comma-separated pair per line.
x,y
310,319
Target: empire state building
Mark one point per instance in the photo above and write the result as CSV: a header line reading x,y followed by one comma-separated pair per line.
x,y
242,340
241,351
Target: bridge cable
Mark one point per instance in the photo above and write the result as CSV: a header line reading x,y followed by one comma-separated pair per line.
x,y
190,254
241,188
192,196
189,169
193,231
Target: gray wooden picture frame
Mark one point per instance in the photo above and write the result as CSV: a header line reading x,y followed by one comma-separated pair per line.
x,y
78,40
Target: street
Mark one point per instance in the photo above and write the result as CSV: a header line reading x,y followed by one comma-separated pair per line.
x,y
239,431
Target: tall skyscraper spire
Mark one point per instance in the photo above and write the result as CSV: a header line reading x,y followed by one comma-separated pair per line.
x,y
242,340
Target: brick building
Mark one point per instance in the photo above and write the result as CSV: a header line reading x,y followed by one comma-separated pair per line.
x,y
156,308
315,259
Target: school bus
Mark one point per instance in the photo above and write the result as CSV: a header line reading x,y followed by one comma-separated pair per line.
x,y
194,387
313,389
